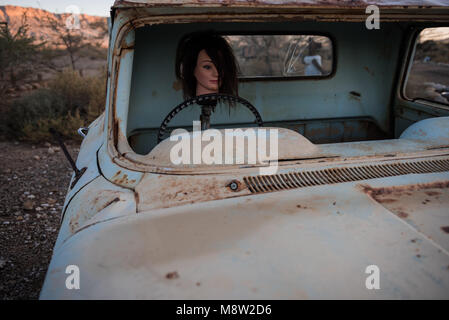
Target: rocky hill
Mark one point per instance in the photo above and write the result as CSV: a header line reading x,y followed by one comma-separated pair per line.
x,y
93,28
88,56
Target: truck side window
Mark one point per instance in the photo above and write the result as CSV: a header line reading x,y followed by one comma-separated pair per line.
x,y
428,77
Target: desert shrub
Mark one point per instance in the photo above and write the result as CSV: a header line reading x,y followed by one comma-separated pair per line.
x,y
84,95
69,102
67,125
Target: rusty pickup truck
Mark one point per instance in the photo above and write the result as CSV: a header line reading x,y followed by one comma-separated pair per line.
x,y
357,206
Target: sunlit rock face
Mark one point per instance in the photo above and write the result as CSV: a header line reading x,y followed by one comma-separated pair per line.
x,y
92,27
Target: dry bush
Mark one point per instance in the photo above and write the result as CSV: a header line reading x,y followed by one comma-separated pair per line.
x,y
69,102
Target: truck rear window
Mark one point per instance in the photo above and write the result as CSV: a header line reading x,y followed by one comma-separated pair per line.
x,y
282,56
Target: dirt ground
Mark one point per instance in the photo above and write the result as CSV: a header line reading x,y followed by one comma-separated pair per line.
x,y
33,183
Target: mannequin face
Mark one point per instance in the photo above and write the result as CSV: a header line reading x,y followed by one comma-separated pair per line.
x,y
206,74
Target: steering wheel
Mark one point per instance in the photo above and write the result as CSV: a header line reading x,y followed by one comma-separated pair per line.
x,y
204,99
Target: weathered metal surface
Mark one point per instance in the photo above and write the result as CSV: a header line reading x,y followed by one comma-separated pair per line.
x,y
409,112
98,201
305,243
288,3
425,207
333,10
115,173
114,150
91,143
164,191
434,129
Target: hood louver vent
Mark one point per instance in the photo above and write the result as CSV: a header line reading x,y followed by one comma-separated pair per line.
x,y
292,180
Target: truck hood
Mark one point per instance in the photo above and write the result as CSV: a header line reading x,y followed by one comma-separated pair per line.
x,y
313,242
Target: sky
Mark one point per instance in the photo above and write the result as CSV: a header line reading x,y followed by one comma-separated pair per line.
x,y
91,7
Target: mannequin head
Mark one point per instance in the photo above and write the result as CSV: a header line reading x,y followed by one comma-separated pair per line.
x,y
205,64
206,74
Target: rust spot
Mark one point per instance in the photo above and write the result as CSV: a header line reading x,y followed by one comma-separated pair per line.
x,y
439,147
109,203
122,180
299,206
177,85
198,284
172,275
402,214
369,71
73,225
376,192
386,200
445,229
334,203
418,256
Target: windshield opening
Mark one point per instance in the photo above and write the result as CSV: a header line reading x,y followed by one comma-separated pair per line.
x,y
294,77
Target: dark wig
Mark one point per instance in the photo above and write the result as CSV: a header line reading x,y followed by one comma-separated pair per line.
x,y
218,49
